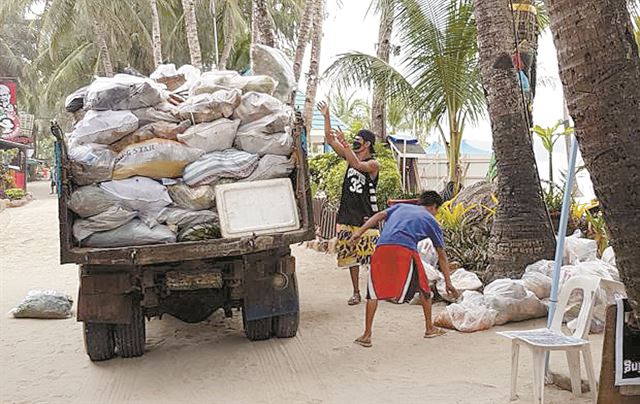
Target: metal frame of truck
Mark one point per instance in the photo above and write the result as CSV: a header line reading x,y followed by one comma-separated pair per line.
x,y
120,287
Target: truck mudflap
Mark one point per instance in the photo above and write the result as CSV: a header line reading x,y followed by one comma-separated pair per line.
x,y
270,288
105,298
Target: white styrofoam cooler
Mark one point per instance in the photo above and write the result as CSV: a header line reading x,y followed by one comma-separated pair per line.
x,y
259,207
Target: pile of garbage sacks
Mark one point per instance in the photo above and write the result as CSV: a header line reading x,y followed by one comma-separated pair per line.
x,y
508,300
146,153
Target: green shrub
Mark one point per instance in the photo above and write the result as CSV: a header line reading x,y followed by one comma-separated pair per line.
x,y
15,193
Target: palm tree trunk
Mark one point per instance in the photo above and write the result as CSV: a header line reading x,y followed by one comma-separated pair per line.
x,y
262,23
378,107
522,232
155,33
314,68
228,44
600,72
303,38
191,29
105,56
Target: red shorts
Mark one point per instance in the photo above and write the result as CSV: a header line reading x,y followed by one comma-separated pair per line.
x,y
396,273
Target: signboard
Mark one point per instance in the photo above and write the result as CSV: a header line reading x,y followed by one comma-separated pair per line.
x,y
627,346
9,118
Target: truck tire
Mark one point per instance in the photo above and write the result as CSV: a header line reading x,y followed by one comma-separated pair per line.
x,y
130,338
98,341
257,330
286,326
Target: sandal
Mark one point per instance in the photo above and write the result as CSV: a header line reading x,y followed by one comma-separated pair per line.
x,y
362,342
355,299
436,332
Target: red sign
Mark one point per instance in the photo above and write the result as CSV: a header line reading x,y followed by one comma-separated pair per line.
x,y
9,119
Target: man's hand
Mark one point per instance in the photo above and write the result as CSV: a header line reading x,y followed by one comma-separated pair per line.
x,y
355,238
339,135
451,290
323,108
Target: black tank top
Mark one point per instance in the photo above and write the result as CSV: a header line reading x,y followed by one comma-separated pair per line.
x,y
358,199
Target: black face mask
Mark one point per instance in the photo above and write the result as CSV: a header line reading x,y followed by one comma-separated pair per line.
x,y
356,145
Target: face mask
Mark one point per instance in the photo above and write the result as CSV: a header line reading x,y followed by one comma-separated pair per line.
x,y
356,145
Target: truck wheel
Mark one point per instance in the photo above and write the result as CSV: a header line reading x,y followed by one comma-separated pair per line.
x,y
286,326
98,341
130,338
257,330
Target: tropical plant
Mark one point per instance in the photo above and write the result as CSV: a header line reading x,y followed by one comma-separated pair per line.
x,y
437,77
314,66
303,39
15,193
452,216
521,231
386,10
349,108
549,136
605,116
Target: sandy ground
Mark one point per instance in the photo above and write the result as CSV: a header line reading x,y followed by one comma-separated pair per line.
x,y
43,361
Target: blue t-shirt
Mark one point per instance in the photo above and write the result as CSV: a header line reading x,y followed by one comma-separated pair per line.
x,y
406,225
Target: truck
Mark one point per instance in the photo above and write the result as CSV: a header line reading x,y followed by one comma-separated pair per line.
x,y
119,288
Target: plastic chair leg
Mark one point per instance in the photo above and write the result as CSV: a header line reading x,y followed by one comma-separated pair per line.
x,y
573,360
538,376
515,354
588,363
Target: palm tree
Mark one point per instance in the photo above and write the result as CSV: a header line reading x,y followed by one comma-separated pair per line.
x,y
262,24
437,77
191,27
233,25
386,9
349,108
521,232
314,67
303,38
600,72
549,136
155,24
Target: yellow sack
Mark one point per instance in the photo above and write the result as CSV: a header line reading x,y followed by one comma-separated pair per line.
x,y
155,158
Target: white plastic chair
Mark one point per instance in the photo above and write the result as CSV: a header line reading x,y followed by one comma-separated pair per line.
x,y
544,340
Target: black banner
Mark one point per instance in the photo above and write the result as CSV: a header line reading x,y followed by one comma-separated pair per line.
x,y
627,346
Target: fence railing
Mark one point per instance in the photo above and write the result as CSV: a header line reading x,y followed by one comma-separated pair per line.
x,y
325,216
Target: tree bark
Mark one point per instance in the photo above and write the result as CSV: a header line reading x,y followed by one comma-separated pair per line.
x,y
228,45
600,72
303,39
191,29
314,67
378,107
522,232
155,33
105,56
262,23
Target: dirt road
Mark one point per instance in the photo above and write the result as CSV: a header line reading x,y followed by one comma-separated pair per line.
x,y
43,361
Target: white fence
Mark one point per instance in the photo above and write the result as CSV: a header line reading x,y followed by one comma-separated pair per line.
x,y
434,170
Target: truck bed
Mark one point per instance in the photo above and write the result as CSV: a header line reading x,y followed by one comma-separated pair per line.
x,y
70,252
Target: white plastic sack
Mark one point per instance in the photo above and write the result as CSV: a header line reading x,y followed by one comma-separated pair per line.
x,y
163,71
512,301
538,283
75,101
270,167
211,136
544,267
470,315
146,116
210,82
280,144
462,280
140,194
103,127
433,275
259,83
274,63
44,304
577,249
428,252
179,217
272,123
214,166
254,106
191,75
193,198
609,256
110,219
91,200
155,158
90,163
133,233
123,92
160,129
209,107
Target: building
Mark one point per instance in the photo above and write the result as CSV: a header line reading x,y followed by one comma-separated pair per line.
x,y
316,137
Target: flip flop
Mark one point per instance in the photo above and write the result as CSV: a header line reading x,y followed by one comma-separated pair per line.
x,y
437,332
366,344
355,299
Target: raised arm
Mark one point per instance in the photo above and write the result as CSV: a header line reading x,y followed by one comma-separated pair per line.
x,y
372,166
329,136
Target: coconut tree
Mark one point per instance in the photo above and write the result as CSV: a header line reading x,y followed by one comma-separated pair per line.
x,y
303,39
521,232
155,33
262,24
600,72
386,9
233,25
314,66
436,77
349,108
191,29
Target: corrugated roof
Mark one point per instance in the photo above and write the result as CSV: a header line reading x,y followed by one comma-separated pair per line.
x,y
317,123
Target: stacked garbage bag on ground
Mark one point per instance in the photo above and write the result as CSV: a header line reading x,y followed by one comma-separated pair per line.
x,y
508,300
147,153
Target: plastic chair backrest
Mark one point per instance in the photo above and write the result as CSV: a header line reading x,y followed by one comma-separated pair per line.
x,y
589,285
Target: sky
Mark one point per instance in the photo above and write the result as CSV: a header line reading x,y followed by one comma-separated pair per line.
x,y
349,28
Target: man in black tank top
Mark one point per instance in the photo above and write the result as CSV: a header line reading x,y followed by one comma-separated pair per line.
x,y
358,201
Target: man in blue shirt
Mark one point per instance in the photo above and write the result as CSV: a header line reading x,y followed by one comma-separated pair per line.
x,y
396,268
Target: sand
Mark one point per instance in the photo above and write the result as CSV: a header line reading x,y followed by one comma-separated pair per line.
x,y
43,361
